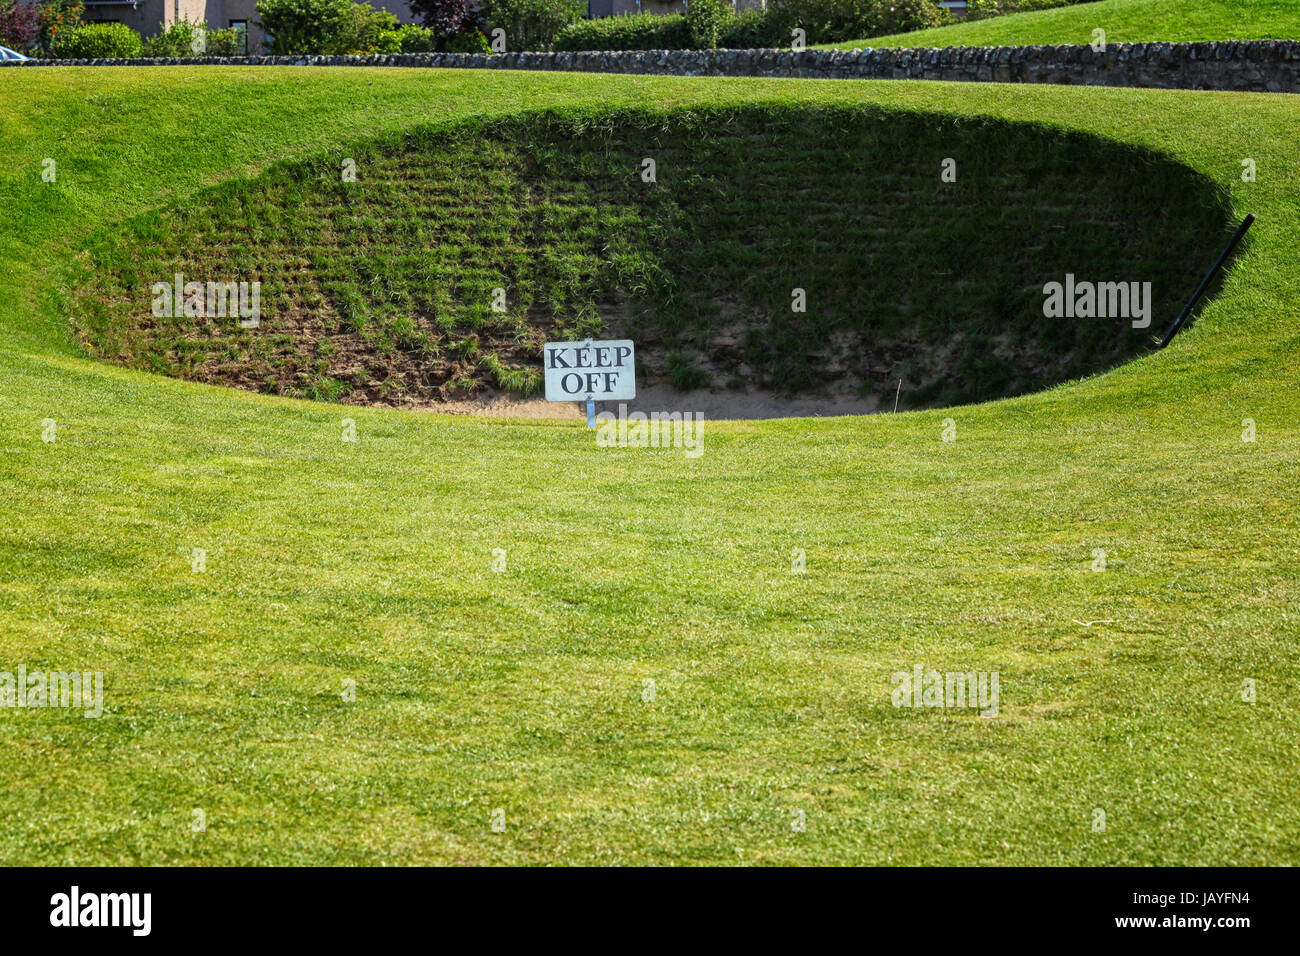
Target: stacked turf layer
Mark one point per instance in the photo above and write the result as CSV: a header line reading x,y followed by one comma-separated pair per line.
x,y
778,247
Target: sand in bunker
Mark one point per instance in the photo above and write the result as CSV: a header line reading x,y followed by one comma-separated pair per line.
x,y
713,405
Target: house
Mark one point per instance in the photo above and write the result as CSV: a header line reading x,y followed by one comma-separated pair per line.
x,y
149,17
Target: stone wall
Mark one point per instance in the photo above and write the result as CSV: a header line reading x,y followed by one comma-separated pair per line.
x,y
1255,66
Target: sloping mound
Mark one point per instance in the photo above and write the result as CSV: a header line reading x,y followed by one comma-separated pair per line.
x,y
1125,21
522,685
790,249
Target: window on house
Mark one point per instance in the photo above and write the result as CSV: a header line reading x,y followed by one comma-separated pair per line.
x,y
241,31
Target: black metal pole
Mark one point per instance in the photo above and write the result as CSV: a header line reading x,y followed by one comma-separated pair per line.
x,y
1209,277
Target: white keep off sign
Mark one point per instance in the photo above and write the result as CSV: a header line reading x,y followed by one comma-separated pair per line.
x,y
589,371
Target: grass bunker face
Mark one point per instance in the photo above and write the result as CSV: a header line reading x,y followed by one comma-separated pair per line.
x,y
776,248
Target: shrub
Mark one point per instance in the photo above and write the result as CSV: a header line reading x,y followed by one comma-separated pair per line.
x,y
387,41
530,24
833,21
20,23
227,42
444,18
983,9
1041,4
704,20
98,41
329,27
640,31
303,26
57,17
365,29
182,38
710,23
467,41
426,40
416,39
187,38
904,16
757,29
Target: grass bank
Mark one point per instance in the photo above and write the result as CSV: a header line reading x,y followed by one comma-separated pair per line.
x,y
499,594
1125,21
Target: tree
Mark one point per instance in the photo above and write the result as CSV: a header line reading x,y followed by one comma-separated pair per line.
x,y
20,23
445,17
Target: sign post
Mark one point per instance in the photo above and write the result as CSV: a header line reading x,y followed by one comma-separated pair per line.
x,y
589,371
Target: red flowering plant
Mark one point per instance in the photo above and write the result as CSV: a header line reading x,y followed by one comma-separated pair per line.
x,y
58,16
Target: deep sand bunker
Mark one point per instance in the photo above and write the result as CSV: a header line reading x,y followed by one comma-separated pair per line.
x,y
779,260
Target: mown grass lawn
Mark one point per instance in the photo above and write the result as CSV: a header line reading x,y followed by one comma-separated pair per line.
x,y
1125,21
524,689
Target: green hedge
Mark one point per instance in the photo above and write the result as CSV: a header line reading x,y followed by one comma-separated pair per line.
x,y
97,41
706,20
823,21
834,21
416,39
981,9
530,24
758,30
467,41
640,31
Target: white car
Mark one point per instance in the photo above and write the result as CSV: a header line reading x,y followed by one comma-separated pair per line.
x,y
8,54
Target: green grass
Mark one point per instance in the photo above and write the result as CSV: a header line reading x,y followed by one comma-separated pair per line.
x,y
1125,21
522,689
